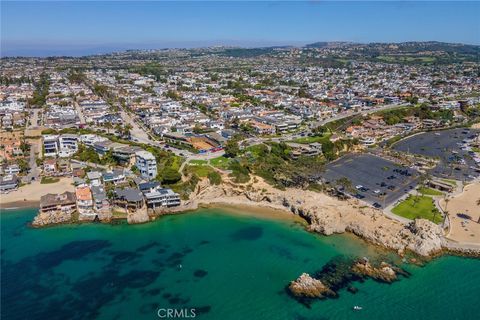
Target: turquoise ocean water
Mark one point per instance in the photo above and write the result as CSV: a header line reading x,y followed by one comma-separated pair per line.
x,y
226,266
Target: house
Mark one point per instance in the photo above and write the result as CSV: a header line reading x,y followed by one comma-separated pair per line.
x,y
63,165
84,200
100,199
115,176
146,164
12,169
64,202
50,145
49,166
8,183
158,197
95,178
307,150
125,153
129,198
68,144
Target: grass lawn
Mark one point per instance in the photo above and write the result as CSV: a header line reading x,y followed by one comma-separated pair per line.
x,y
423,208
220,162
429,191
198,162
201,170
451,182
48,180
313,139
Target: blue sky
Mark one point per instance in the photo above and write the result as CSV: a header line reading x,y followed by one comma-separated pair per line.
x,y
77,28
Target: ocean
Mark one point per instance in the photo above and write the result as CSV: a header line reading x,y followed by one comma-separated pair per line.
x,y
222,265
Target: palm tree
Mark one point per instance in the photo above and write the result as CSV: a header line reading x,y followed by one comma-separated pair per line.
x,y
109,126
447,200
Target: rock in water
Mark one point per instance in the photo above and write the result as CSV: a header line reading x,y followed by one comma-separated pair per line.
x,y
308,287
383,273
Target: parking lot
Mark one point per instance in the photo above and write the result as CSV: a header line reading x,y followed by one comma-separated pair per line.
x,y
446,146
374,180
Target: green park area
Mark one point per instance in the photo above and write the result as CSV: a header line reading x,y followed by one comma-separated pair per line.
x,y
418,207
429,191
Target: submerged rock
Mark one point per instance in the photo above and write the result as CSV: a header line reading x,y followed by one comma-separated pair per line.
x,y
308,287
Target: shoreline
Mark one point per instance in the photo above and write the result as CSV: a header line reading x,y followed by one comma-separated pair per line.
x,y
316,212
266,212
13,205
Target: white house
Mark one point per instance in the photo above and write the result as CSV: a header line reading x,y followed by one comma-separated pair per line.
x,y
146,164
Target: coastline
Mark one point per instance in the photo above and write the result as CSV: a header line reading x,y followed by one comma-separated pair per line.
x,y
28,196
8,206
317,212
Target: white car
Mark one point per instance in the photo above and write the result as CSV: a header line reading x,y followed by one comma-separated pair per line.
x,y
376,191
359,187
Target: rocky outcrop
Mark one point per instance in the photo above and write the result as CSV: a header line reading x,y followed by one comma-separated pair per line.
x,y
307,287
138,216
424,237
340,273
43,219
383,273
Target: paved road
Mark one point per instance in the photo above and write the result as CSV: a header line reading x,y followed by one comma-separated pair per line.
x,y
34,172
140,134
363,112
34,119
80,113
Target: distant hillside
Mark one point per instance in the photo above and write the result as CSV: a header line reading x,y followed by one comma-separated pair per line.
x,y
404,47
430,52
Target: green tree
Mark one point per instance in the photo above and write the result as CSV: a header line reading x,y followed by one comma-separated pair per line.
x,y
232,148
170,176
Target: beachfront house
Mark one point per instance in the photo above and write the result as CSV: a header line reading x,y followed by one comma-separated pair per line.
x,y
8,183
100,199
156,196
84,200
64,202
128,198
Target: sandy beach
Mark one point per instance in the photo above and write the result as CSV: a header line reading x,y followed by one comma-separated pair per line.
x,y
465,203
29,195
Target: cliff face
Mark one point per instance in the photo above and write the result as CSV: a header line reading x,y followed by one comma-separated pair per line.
x,y
138,216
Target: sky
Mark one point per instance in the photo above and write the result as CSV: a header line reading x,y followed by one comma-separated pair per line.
x,y
43,28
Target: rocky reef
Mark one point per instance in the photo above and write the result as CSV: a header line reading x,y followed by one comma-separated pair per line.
x,y
339,273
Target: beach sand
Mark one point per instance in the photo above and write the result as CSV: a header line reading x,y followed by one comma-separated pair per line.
x,y
244,209
466,203
29,195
